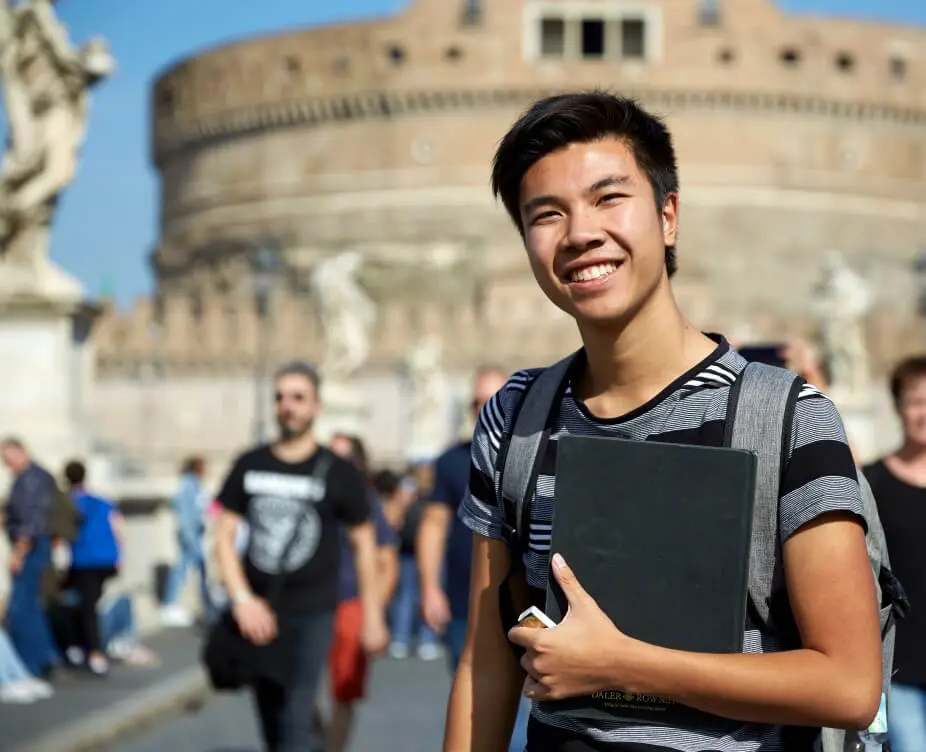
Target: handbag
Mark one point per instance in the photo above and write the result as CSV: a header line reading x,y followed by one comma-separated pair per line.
x,y
231,660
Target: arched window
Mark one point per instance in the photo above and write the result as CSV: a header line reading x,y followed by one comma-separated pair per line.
x,y
472,12
709,13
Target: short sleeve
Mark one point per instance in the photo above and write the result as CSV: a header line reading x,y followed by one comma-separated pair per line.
x,y
386,537
232,496
820,476
353,507
442,493
481,511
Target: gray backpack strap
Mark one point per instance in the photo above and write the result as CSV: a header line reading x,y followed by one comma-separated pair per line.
x,y
759,418
526,444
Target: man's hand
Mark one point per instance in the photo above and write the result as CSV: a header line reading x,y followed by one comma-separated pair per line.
x,y
435,609
573,658
375,635
256,621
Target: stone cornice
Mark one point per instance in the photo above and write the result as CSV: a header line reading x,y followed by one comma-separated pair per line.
x,y
383,105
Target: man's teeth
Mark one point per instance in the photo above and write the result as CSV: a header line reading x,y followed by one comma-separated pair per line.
x,y
589,273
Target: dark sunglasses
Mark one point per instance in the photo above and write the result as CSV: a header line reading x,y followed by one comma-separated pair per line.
x,y
294,396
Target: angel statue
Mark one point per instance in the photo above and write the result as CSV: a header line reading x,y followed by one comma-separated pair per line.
x,y
347,313
423,363
842,300
46,84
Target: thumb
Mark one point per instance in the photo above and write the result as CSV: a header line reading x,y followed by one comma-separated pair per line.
x,y
566,578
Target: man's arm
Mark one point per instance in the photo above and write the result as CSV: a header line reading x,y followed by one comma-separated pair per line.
x,y
253,615
430,549
362,539
387,559
387,553
834,679
486,688
29,497
231,571
187,513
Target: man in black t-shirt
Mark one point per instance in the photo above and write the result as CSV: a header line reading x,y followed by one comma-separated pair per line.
x,y
294,494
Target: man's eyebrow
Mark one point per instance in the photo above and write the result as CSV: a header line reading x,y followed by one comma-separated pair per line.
x,y
611,181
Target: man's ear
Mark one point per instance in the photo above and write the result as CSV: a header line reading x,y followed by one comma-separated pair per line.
x,y
670,208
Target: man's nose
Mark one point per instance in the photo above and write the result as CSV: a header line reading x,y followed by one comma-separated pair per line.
x,y
584,231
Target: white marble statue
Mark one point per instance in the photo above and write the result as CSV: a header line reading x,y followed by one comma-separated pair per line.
x,y
842,299
46,84
425,373
347,312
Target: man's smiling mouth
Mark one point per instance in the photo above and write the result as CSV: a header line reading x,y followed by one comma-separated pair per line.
x,y
593,272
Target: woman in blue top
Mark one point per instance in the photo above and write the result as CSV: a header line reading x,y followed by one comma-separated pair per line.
x,y
94,559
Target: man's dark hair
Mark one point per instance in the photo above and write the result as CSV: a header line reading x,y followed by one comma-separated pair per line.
x,y
75,473
385,482
300,368
907,370
192,465
555,122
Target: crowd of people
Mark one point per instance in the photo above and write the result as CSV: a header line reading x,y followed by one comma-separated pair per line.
x,y
326,563
60,559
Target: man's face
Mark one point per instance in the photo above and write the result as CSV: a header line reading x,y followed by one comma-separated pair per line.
x,y
485,386
912,410
595,240
296,405
15,459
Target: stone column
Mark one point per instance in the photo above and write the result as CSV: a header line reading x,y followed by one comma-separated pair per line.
x,y
41,358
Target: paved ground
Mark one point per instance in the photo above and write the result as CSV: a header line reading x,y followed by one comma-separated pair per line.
x,y
80,696
404,713
168,708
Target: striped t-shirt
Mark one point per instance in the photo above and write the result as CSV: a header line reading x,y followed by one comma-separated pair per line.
x,y
820,477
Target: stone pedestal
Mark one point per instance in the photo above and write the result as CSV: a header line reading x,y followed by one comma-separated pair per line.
x,y
343,410
45,372
431,429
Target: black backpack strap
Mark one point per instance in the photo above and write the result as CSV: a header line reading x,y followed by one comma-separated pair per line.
x,y
519,459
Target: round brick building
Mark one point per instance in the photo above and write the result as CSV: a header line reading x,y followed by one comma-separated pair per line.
x,y
796,135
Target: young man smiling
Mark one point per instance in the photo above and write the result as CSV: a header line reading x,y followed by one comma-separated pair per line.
x,y
590,182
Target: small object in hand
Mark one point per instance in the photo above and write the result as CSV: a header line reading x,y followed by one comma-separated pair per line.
x,y
534,618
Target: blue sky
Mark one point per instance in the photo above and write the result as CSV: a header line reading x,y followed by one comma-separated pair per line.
x,y
106,224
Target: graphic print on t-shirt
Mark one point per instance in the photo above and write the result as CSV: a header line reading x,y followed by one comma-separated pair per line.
x,y
280,502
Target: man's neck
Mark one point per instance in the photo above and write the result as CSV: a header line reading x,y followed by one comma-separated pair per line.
x,y
629,365
297,449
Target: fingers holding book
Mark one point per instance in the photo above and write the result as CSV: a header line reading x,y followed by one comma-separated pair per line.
x,y
575,657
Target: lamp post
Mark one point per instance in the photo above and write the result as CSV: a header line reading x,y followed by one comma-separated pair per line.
x,y
265,264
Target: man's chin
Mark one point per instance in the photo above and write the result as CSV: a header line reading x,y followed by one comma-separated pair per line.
x,y
290,433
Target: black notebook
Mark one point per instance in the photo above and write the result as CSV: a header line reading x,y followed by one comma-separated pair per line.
x,y
659,534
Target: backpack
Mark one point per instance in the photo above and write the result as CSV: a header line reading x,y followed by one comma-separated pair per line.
x,y
759,418
62,518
